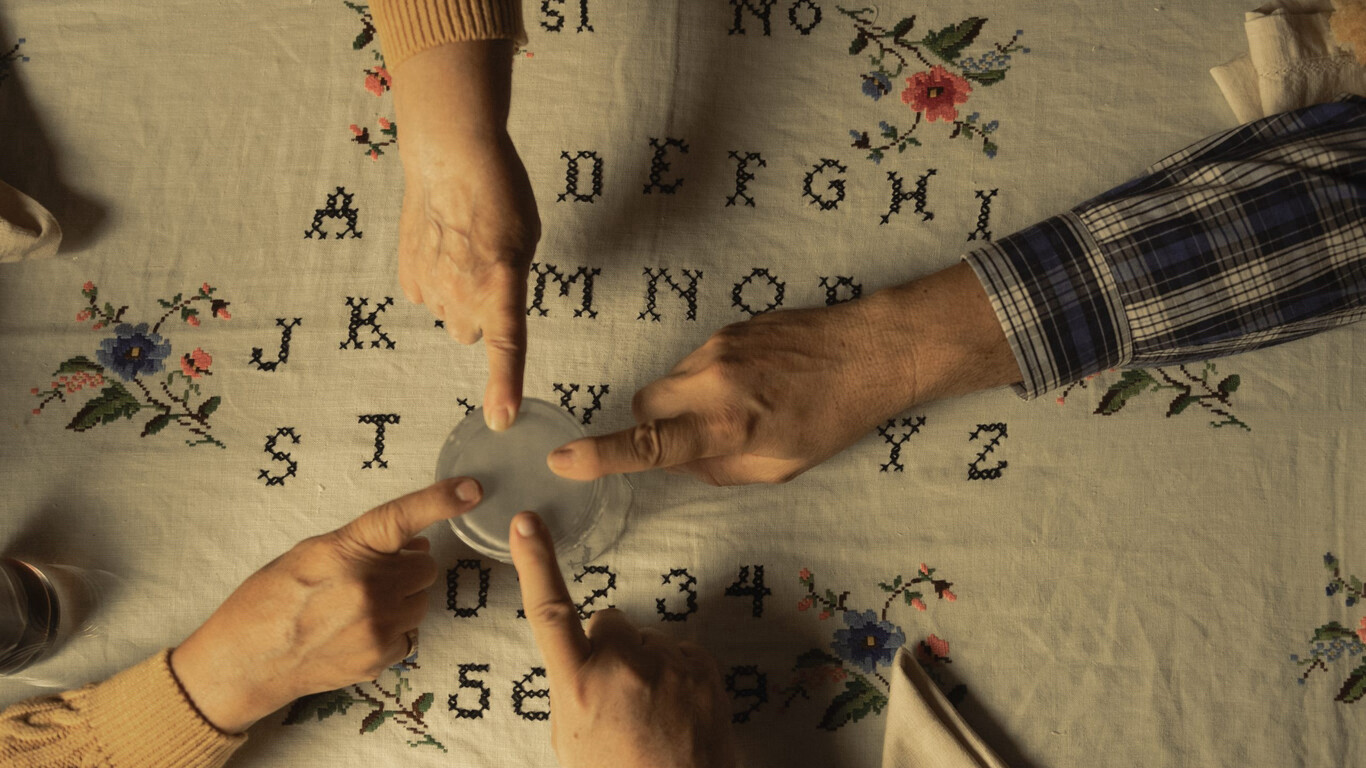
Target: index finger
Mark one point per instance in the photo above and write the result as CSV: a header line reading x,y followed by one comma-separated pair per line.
x,y
545,598
651,444
505,341
388,527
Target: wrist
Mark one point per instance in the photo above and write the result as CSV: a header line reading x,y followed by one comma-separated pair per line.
x,y
458,89
220,686
945,335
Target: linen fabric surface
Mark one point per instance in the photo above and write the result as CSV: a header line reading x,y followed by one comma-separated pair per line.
x,y
1110,574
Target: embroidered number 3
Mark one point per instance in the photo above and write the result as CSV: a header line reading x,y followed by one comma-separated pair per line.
x,y
744,587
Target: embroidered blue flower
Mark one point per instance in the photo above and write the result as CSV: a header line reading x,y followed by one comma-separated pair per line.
x,y
1331,589
133,351
868,642
876,85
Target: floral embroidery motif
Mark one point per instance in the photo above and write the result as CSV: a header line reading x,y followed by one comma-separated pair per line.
x,y
9,58
385,704
1190,389
934,93
378,82
1332,641
866,643
137,354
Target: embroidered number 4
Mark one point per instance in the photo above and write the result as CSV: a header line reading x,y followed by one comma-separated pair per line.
x,y
744,587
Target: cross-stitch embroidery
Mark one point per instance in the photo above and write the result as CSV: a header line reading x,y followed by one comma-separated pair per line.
x,y
378,82
1190,389
137,354
9,58
933,94
864,645
386,703
1332,641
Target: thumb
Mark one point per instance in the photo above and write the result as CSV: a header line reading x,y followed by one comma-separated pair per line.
x,y
388,527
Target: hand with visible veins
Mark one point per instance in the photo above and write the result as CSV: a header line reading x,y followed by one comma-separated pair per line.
x,y
469,225
334,610
764,400
619,696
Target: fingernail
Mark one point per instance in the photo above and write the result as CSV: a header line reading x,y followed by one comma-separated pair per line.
x,y
467,490
500,419
526,525
561,459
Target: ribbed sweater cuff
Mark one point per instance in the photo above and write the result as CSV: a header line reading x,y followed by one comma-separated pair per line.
x,y
407,27
142,717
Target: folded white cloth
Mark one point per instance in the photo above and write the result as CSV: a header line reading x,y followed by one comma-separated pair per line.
x,y
923,728
27,229
1293,61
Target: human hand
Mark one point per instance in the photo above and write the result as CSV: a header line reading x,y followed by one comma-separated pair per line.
x,y
332,611
764,400
469,225
618,695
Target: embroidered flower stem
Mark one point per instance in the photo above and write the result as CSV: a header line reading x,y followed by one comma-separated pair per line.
x,y
865,20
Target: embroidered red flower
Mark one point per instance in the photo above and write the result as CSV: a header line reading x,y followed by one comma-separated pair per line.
x,y
935,93
384,123
918,604
925,569
88,287
804,604
947,595
938,646
804,574
824,615
82,316
355,129
205,289
374,154
377,80
1361,633
195,364
193,320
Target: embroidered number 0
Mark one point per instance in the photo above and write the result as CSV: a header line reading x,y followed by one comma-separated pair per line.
x,y
453,587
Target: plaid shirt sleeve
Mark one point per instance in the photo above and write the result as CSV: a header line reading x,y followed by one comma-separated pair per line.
x,y
1249,238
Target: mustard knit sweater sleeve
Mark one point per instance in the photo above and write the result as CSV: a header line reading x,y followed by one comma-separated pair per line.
x,y
407,27
139,718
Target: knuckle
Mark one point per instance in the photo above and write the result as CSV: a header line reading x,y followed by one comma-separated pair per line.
x,y
553,612
646,443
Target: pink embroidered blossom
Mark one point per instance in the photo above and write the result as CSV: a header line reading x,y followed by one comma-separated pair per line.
x,y
82,316
195,364
96,326
88,287
925,569
355,129
224,314
947,595
918,604
1361,633
374,154
377,81
804,574
935,93
33,391
938,646
193,320
205,289
824,615
37,411
1062,401
804,604
384,123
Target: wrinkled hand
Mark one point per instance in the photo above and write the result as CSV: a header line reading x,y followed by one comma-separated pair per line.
x,y
619,696
764,400
332,611
469,225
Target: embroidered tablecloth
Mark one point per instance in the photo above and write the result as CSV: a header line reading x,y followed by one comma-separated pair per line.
x,y
1147,568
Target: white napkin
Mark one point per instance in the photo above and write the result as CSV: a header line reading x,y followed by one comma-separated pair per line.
x,y
1293,61
27,229
923,728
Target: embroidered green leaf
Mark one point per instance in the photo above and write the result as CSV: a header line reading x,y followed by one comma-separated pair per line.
x,y
890,132
111,404
324,705
885,587
858,45
1130,385
78,364
897,581
424,702
209,406
1333,631
950,41
907,597
374,720
902,27
1230,385
108,309
816,658
989,77
1181,403
1356,584
157,424
1354,687
858,699
164,303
